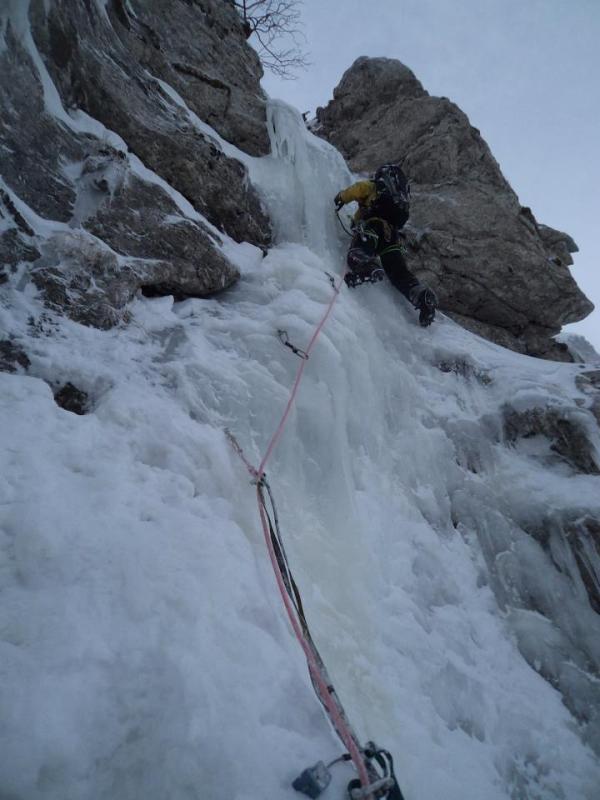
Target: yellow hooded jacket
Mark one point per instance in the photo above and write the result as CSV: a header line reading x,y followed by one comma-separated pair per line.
x,y
363,192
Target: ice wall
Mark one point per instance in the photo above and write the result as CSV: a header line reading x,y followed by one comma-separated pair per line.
x,y
298,182
145,650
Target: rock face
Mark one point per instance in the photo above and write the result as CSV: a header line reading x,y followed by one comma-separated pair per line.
x,y
200,50
496,270
560,434
12,357
72,399
566,431
111,183
589,384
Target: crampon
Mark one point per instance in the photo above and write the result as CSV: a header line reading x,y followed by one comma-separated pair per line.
x,y
427,306
364,273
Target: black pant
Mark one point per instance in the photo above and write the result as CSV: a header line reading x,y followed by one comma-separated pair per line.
x,y
376,238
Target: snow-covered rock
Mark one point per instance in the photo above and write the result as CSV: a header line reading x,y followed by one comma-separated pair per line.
x,y
136,196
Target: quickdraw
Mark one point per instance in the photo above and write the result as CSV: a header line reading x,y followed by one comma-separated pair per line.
x,y
332,281
285,339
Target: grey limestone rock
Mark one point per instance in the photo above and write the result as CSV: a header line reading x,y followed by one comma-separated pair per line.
x,y
565,428
583,537
81,276
101,226
589,384
12,357
72,399
494,268
17,238
560,244
200,50
571,539
91,57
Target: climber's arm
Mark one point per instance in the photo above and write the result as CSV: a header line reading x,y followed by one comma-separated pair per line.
x,y
358,192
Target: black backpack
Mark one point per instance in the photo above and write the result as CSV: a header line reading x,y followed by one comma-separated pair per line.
x,y
392,202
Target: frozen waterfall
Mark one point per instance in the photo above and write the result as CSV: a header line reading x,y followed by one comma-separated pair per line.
x,y
145,650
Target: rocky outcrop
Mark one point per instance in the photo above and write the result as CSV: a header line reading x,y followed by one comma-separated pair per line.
x,y
549,435
200,50
589,384
583,537
542,548
98,295
72,399
12,357
570,537
563,428
17,239
92,61
111,182
496,270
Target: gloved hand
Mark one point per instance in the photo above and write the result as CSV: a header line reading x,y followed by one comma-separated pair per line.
x,y
338,201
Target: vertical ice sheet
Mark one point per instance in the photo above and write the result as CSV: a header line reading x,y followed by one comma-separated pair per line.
x,y
298,182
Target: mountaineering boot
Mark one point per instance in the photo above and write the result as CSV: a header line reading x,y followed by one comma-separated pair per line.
x,y
425,300
363,268
427,307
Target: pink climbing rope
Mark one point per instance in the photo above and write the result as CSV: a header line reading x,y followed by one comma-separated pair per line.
x,y
340,724
316,670
293,393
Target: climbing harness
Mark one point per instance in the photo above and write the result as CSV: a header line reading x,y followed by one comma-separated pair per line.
x,y
364,269
371,784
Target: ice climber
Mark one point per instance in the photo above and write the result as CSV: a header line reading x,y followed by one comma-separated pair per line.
x,y
376,247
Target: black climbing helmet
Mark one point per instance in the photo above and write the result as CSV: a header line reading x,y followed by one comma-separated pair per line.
x,y
393,194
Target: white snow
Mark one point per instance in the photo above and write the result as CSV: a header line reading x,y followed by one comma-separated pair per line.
x,y
145,651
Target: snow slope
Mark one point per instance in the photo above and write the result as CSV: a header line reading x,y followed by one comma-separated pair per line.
x,y
145,652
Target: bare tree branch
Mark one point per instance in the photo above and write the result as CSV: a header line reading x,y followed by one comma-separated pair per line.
x,y
270,21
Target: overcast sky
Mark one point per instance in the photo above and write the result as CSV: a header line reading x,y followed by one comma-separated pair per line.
x,y
526,72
